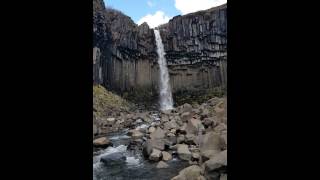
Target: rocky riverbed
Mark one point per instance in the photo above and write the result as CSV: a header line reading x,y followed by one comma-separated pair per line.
x,y
188,142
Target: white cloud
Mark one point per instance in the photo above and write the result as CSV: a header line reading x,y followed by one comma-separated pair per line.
x,y
154,20
189,6
150,3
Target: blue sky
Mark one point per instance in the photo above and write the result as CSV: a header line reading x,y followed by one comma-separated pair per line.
x,y
156,12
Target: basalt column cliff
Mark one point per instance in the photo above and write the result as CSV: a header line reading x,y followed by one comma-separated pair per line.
x,y
125,57
196,47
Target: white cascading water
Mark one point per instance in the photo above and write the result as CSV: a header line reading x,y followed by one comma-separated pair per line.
x,y
166,101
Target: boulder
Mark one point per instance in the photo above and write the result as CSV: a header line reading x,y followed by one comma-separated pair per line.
x,y
220,111
162,165
205,113
190,173
164,118
170,125
195,156
186,108
155,155
101,142
113,159
211,144
223,177
220,127
136,134
209,121
152,129
152,143
180,139
194,126
166,156
186,116
191,139
216,162
183,152
157,134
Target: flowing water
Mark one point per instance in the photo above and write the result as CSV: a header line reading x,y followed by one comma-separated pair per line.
x,y
166,101
136,166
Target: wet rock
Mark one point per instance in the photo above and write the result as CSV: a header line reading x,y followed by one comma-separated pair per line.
x,y
113,159
183,152
155,155
162,165
190,173
102,142
166,156
167,112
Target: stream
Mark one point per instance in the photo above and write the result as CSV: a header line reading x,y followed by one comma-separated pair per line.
x,y
136,166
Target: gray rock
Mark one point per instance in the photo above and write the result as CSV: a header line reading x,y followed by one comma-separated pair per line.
x,y
183,152
180,139
211,144
155,155
152,129
194,126
158,134
162,165
186,108
113,159
170,125
216,162
102,142
166,156
186,116
190,173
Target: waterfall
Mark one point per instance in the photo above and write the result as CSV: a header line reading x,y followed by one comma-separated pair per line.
x,y
166,101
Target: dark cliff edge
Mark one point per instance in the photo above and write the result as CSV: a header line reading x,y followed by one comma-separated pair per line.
x,y
125,58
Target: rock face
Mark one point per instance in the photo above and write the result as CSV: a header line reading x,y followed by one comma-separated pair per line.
x,y
196,49
125,58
